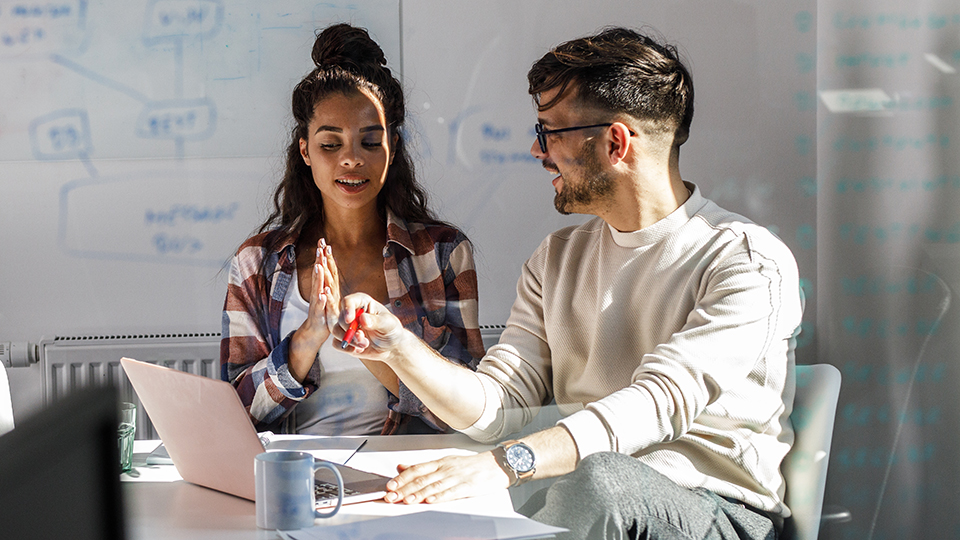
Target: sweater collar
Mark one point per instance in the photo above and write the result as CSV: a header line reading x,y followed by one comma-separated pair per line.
x,y
663,228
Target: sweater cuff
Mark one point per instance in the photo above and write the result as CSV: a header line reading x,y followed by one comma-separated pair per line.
x,y
588,431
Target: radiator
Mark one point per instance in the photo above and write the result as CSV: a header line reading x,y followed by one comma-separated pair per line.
x,y
68,363
490,333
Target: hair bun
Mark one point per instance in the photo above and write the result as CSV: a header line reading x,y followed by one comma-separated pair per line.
x,y
348,47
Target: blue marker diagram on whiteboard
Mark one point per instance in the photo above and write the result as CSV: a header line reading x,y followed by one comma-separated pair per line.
x,y
173,20
178,224
173,113
33,29
189,119
80,37
61,134
166,216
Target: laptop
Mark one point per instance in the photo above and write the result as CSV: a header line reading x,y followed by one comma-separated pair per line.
x,y
211,440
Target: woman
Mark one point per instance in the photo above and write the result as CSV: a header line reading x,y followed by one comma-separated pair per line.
x,y
348,192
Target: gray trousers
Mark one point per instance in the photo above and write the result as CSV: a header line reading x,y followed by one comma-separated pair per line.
x,y
614,496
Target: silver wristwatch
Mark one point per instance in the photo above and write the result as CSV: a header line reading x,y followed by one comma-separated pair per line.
x,y
518,461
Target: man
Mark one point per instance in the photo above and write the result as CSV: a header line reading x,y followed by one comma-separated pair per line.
x,y
664,328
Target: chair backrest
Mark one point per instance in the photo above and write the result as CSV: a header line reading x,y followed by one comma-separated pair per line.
x,y
6,403
805,466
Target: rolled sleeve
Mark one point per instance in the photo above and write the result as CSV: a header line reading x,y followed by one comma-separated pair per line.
x,y
589,433
260,374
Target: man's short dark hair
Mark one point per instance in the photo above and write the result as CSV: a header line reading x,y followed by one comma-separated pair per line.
x,y
622,71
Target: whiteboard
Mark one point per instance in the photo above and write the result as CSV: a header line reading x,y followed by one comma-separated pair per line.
x,y
139,145
140,142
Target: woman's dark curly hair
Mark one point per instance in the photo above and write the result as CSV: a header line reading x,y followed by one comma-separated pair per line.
x,y
347,60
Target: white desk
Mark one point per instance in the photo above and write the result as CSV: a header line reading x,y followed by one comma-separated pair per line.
x,y
183,511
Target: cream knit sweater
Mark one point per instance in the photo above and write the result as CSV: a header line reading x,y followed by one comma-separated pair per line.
x,y
673,344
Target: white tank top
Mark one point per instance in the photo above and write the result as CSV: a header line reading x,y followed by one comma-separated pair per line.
x,y
350,400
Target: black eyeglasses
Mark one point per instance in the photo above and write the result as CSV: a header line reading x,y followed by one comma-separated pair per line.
x,y
542,133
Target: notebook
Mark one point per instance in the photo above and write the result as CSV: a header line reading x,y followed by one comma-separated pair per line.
x,y
211,440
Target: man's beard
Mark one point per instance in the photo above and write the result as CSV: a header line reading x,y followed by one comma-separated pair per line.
x,y
593,183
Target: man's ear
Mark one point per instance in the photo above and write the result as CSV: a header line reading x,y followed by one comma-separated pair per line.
x,y
618,142
304,153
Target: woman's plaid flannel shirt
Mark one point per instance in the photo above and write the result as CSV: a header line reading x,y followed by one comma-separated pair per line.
x,y
432,285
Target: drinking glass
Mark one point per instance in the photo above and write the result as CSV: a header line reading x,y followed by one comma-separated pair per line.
x,y
125,434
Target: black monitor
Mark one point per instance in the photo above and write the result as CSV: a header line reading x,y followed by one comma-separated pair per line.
x,y
60,471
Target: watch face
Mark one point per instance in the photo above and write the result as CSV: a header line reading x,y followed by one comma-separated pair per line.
x,y
520,458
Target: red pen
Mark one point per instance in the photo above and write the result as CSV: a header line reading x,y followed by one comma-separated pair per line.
x,y
354,326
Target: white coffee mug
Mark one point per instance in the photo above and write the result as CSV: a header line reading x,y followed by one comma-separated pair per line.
x,y
284,490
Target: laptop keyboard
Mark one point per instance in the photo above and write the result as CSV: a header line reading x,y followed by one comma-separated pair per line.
x,y
326,490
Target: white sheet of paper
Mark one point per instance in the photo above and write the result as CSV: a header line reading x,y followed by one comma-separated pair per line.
x,y
385,463
336,450
149,472
431,525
